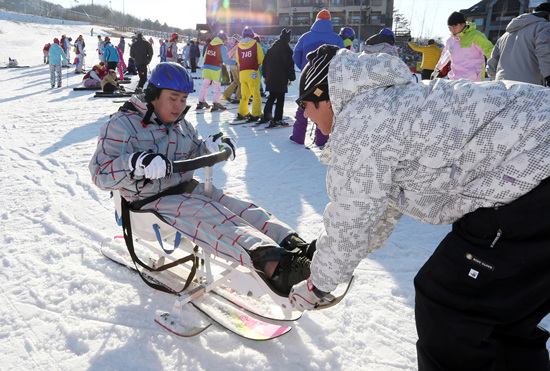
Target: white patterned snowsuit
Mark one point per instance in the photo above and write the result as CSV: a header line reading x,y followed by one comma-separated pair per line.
x,y
224,223
432,150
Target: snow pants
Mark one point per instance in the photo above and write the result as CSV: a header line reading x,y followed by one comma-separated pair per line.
x,y
250,86
279,98
300,128
217,90
142,72
91,83
55,74
79,62
227,225
235,86
482,294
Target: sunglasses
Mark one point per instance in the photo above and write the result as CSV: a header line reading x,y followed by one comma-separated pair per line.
x,y
300,101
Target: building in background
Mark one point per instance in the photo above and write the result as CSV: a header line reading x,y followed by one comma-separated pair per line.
x,y
492,16
269,17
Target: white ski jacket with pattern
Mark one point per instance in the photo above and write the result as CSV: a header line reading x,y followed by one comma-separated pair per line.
x,y
433,150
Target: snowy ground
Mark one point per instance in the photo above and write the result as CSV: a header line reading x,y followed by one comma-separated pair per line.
x,y
64,307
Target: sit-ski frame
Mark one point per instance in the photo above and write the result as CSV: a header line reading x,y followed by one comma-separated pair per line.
x,y
150,229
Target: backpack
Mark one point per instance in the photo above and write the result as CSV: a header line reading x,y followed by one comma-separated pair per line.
x,y
169,50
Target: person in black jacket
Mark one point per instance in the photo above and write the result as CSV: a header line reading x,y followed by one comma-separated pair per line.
x,y
278,72
142,53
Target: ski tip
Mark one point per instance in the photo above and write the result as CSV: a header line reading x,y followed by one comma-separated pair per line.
x,y
169,324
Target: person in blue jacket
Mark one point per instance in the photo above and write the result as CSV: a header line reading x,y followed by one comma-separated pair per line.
x,y
56,56
321,33
110,55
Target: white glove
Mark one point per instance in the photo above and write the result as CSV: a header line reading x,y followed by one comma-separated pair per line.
x,y
305,296
434,74
149,165
215,143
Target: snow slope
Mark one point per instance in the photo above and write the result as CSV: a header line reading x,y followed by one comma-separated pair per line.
x,y
64,307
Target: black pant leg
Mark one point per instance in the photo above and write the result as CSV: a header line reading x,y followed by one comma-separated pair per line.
x,y
279,106
268,107
477,305
426,74
142,72
109,88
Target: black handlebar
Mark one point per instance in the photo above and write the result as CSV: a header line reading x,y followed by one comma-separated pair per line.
x,y
200,162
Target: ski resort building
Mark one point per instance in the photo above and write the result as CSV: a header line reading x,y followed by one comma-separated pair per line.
x,y
492,16
269,17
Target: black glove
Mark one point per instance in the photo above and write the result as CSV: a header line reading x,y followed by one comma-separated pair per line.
x,y
149,165
547,80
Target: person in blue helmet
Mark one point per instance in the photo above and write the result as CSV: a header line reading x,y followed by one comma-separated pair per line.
x,y
320,33
134,155
382,42
348,35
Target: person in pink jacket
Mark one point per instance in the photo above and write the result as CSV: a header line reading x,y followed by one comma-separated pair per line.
x,y
121,64
466,49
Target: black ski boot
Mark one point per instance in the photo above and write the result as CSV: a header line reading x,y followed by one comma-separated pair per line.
x,y
294,241
292,269
241,117
253,119
265,119
202,105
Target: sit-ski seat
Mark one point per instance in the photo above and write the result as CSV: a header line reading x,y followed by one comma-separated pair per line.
x,y
149,230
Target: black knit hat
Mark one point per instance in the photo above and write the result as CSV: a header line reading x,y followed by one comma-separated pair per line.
x,y
314,77
285,35
456,18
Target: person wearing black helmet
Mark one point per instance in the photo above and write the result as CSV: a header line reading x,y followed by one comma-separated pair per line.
x,y
134,155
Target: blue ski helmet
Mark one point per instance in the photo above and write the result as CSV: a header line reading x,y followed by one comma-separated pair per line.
x,y
168,75
347,33
221,34
248,32
387,31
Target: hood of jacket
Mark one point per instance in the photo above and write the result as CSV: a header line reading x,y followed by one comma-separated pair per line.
x,y
322,25
523,20
247,43
350,74
216,41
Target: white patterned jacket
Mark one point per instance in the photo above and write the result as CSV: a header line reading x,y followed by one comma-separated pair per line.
x,y
433,150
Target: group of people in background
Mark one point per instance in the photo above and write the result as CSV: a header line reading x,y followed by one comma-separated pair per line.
x,y
111,59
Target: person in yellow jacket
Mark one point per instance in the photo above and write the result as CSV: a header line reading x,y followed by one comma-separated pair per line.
x,y
109,83
430,57
250,57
